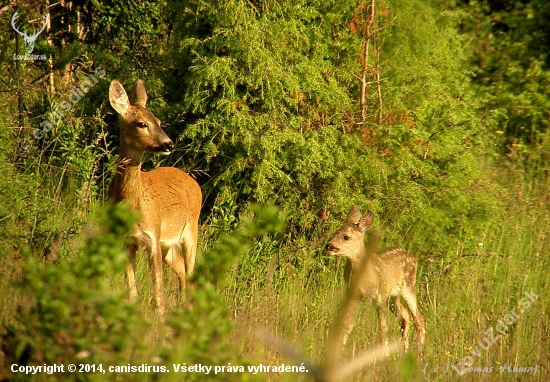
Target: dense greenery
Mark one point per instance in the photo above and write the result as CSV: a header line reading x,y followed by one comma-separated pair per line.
x,y
432,114
510,65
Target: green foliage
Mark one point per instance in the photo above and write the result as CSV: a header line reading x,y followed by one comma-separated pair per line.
x,y
14,191
431,133
510,67
125,37
204,329
262,100
271,94
72,312
244,90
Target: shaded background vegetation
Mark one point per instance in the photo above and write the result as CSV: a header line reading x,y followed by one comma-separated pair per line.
x,y
441,129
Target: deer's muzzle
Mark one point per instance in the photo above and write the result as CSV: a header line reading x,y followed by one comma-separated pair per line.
x,y
166,148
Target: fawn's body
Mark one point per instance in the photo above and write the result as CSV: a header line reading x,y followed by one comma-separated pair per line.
x,y
390,274
168,199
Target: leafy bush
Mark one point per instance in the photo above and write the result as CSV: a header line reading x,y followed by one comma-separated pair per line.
x,y
201,333
510,67
72,314
271,100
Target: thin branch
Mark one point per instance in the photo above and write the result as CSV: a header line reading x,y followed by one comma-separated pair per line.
x,y
288,350
365,62
6,8
378,353
377,81
377,74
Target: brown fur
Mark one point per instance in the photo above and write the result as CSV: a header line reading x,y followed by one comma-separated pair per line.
x,y
390,275
168,199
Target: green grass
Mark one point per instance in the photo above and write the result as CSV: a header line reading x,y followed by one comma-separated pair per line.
x,y
288,287
463,295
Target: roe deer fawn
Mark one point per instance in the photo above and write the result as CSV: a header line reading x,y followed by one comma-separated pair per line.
x,y
390,274
168,199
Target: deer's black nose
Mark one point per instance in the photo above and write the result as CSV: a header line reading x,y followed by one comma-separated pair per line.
x,y
168,146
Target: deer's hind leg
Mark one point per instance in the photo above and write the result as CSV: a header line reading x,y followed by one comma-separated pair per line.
x,y
410,299
177,264
189,246
399,310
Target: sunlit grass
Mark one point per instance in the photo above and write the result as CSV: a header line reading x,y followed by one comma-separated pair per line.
x,y
289,288
462,299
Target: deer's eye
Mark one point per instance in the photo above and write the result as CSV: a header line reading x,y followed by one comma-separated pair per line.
x,y
346,237
141,125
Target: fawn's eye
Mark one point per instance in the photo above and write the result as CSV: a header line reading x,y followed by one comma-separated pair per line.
x,y
346,237
141,125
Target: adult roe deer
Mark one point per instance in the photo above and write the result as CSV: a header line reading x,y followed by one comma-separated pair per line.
x,y
389,274
168,199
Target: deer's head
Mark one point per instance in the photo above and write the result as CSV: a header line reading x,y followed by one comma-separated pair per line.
x,y
140,130
348,240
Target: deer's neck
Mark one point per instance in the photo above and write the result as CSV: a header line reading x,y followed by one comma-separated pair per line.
x,y
127,181
354,262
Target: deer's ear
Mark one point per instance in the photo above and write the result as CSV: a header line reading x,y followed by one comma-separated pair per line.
x,y
118,97
353,215
366,222
138,94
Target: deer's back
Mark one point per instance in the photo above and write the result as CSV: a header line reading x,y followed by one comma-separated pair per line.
x,y
391,270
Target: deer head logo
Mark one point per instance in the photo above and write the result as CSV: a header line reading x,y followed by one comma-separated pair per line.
x,y
29,40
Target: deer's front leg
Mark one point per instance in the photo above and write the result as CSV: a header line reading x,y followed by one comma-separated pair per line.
x,y
382,316
155,266
131,273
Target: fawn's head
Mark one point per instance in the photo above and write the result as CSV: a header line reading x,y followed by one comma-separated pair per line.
x,y
349,239
140,130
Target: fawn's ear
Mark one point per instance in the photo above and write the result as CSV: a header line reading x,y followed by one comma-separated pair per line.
x,y
366,222
354,215
118,97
